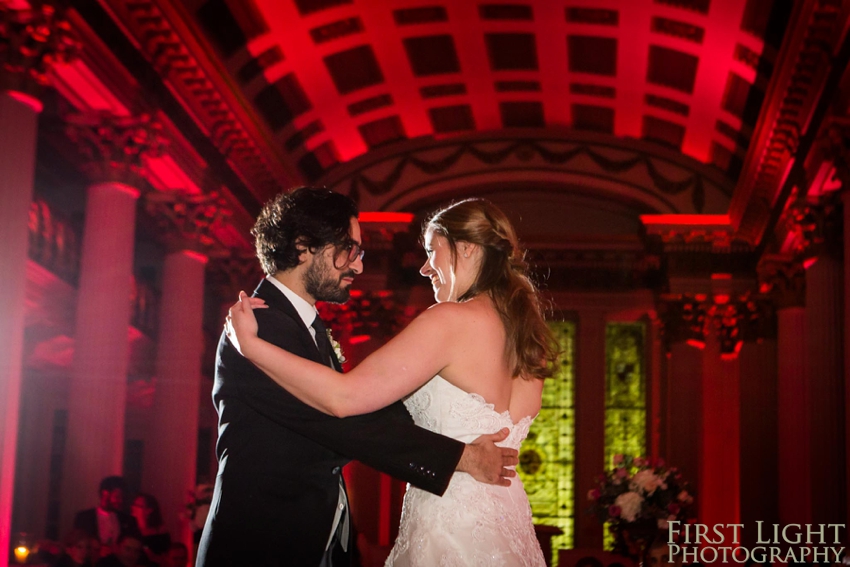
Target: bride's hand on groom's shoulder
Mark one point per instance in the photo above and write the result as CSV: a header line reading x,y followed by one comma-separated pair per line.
x,y
240,324
486,462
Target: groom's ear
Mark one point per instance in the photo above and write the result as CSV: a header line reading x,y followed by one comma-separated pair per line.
x,y
303,250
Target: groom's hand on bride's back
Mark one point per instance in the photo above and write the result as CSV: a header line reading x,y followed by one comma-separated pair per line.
x,y
486,462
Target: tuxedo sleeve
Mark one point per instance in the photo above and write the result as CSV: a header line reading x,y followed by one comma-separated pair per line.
x,y
386,440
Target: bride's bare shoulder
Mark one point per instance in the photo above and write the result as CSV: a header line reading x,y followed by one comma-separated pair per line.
x,y
474,312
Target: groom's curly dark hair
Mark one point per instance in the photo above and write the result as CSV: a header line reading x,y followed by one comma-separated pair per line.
x,y
306,217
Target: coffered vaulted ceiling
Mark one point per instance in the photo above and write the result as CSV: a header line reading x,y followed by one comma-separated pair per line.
x,y
333,79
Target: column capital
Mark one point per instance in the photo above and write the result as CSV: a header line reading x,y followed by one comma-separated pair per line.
x,y
32,41
816,226
114,146
783,280
691,318
187,221
835,143
683,318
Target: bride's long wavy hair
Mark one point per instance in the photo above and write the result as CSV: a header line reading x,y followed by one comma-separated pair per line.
x,y
503,275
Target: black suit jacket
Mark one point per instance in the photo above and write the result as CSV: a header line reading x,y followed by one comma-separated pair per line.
x,y
279,459
86,520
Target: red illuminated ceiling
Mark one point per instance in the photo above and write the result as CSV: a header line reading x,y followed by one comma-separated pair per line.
x,y
332,79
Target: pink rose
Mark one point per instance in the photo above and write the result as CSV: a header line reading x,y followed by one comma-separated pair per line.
x,y
640,461
594,494
614,511
618,459
622,473
683,496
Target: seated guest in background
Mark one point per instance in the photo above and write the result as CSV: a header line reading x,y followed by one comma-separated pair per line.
x,y
177,556
76,550
108,522
155,538
128,553
659,555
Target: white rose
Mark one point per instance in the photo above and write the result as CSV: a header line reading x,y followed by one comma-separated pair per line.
x,y
630,504
646,481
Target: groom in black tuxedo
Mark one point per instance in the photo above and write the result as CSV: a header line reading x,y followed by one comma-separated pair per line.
x,y
279,496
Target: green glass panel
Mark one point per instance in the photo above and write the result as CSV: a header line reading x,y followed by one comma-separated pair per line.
x,y
625,394
547,455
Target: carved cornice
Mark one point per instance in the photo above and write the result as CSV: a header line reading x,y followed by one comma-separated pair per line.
x,y
786,112
187,221
32,41
114,146
164,40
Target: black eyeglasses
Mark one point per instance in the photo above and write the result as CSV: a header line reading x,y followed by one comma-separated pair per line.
x,y
347,253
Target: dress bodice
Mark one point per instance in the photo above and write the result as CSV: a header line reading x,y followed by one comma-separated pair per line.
x,y
471,523
442,407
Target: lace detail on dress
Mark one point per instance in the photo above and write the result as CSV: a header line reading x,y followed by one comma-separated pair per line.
x,y
472,523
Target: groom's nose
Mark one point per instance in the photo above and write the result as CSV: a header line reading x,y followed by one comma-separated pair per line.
x,y
357,265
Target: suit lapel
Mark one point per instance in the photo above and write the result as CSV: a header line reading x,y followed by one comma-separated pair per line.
x,y
275,299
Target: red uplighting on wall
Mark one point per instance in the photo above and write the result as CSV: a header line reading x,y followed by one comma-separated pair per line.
x,y
382,216
696,343
686,220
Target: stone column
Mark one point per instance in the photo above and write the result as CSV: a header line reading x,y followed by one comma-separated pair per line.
x,y
172,447
35,40
787,283
719,477
590,421
825,367
683,321
187,224
18,129
846,232
98,385
759,439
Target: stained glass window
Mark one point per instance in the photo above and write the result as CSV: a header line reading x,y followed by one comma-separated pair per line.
x,y
547,455
625,394
625,390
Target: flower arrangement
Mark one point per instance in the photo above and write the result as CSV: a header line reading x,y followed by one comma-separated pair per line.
x,y
637,498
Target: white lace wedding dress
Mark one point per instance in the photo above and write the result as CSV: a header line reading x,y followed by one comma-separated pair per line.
x,y
472,523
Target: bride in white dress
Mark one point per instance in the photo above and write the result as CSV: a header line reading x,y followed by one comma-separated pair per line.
x,y
474,363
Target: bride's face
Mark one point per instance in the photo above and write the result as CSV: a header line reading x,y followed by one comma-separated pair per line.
x,y
448,277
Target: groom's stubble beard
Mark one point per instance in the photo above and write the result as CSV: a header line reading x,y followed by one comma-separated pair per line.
x,y
321,283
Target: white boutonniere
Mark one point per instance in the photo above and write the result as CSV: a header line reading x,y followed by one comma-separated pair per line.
x,y
337,348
